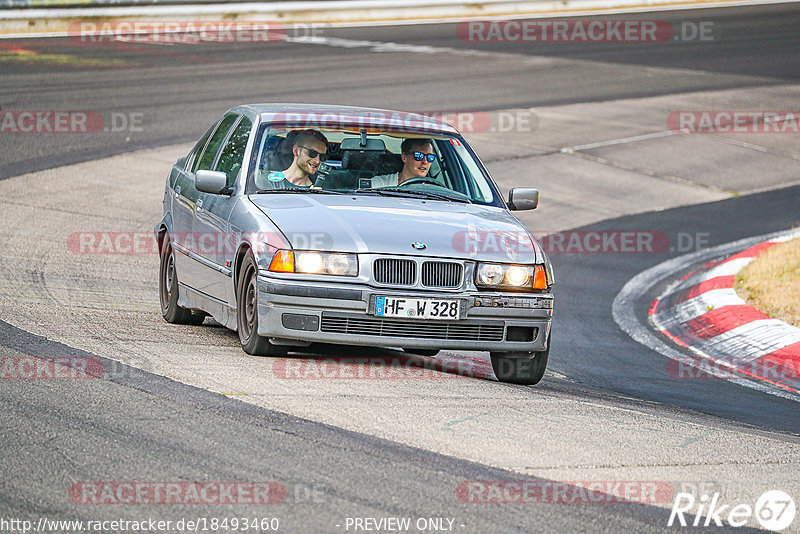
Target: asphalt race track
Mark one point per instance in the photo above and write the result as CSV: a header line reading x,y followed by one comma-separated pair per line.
x,y
588,126
185,86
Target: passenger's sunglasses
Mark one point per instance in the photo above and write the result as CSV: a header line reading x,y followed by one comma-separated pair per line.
x,y
419,156
313,153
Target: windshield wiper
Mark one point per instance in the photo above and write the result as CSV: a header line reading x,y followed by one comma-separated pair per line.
x,y
300,190
402,192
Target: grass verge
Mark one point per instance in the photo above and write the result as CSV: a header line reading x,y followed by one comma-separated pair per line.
x,y
771,282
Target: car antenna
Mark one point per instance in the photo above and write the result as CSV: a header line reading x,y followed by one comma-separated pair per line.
x,y
363,143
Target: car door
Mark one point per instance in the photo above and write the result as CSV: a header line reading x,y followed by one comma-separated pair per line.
x,y
216,239
187,258
181,183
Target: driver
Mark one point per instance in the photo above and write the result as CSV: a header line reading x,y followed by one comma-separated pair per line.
x,y
417,156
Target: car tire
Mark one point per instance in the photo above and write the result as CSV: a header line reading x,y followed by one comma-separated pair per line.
x,y
247,312
168,290
422,352
526,368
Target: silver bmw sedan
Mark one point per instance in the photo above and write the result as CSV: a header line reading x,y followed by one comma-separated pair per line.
x,y
294,224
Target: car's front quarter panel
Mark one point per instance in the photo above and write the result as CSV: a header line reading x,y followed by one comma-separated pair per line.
x,y
165,224
256,231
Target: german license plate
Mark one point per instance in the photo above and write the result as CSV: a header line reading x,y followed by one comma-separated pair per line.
x,y
439,309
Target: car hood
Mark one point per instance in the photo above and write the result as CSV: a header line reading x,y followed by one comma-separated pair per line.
x,y
391,225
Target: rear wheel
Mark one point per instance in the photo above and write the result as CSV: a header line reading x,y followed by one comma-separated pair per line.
x,y
525,368
168,290
247,312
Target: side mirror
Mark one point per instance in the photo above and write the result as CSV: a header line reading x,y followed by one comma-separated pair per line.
x,y
523,198
210,181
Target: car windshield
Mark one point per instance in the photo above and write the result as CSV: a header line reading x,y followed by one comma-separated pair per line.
x,y
436,167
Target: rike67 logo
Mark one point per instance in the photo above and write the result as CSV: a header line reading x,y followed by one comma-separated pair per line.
x,y
774,510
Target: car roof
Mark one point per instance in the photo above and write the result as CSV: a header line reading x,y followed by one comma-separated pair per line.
x,y
321,115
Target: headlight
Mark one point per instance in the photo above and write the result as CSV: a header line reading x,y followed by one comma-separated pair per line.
x,y
342,264
309,262
504,276
518,276
313,262
490,274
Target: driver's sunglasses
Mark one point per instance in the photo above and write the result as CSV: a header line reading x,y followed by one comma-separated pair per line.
x,y
419,156
313,153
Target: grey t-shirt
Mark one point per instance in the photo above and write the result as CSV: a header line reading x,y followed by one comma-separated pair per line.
x,y
385,180
277,180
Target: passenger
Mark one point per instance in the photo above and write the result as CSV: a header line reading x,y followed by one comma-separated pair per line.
x,y
309,151
417,156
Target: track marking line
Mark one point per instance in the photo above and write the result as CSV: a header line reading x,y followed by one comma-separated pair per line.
x,y
388,46
621,141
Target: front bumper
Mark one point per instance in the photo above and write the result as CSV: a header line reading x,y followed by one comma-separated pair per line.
x,y
344,314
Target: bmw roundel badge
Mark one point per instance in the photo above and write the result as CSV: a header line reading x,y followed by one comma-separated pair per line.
x,y
419,246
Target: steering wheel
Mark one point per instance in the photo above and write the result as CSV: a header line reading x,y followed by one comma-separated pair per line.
x,y
420,180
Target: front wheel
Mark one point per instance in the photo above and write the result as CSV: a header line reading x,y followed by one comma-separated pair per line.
x,y
247,313
526,368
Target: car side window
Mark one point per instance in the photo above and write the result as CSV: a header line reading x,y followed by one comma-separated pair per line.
x,y
210,153
194,156
232,156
